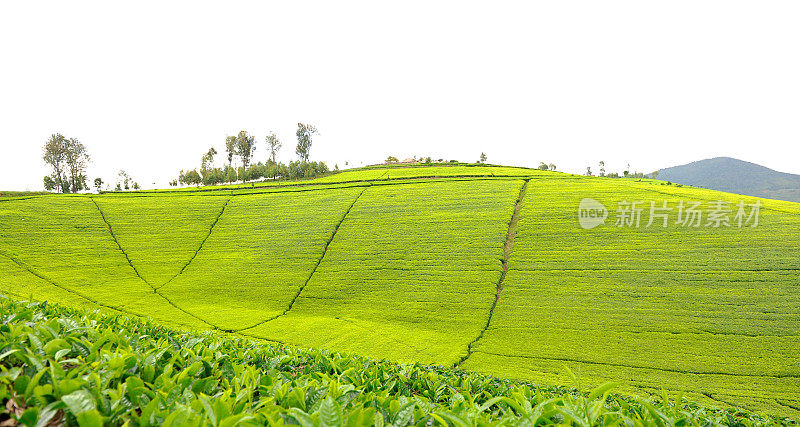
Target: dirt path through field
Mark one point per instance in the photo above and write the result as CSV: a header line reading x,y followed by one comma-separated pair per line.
x,y
508,247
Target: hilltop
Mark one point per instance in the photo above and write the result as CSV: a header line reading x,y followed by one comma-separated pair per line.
x,y
481,268
736,176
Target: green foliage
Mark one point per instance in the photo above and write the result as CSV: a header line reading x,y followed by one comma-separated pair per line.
x,y
403,262
191,177
245,147
160,234
286,235
273,171
369,266
76,158
211,176
50,184
16,194
704,310
305,133
54,154
124,181
68,159
75,367
280,174
273,145
230,148
229,173
207,160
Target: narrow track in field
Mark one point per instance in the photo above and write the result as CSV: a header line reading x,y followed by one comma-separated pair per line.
x,y
314,270
23,265
155,290
508,247
114,236
649,368
203,242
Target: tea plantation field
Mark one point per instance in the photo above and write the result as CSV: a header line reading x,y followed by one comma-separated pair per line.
x,y
71,367
481,268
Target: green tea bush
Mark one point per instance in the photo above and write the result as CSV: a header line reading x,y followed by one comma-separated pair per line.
x,y
61,366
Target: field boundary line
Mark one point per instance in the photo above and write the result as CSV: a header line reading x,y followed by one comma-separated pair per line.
x,y
254,336
246,335
113,236
17,199
302,187
203,242
314,270
508,247
787,405
381,182
23,265
665,331
725,402
622,365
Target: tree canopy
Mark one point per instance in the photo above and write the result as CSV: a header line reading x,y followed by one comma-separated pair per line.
x,y
245,147
274,145
68,159
304,135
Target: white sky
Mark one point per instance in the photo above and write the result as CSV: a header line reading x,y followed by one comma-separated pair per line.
x,y
150,86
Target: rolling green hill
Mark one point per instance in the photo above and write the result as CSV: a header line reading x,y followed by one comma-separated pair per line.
x,y
477,267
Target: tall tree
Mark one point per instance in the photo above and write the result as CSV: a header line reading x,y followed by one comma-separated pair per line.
x,y
483,158
208,158
76,158
304,134
274,145
230,148
245,147
68,158
123,181
54,155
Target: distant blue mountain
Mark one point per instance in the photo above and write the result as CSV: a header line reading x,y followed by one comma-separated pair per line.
x,y
736,176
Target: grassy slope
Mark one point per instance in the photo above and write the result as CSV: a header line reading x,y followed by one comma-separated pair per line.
x,y
63,245
161,237
261,252
373,287
60,366
411,271
711,311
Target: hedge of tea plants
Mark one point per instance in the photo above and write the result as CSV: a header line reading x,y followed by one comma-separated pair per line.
x,y
70,367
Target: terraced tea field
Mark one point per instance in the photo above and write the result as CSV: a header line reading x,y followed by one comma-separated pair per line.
x,y
480,268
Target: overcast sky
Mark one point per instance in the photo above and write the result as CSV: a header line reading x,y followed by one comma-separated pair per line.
x,y
150,86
